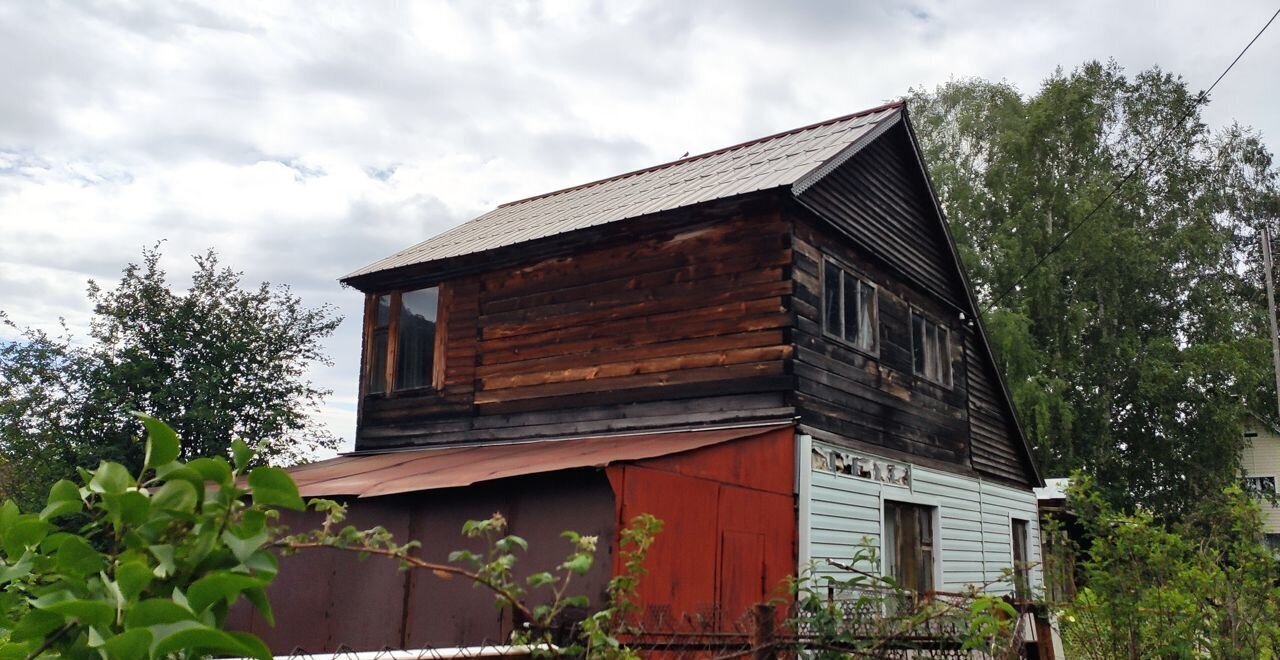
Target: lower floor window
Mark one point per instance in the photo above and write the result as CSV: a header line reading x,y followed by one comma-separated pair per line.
x,y
909,549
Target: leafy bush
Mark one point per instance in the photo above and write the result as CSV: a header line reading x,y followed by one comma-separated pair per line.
x,y
154,563
1203,588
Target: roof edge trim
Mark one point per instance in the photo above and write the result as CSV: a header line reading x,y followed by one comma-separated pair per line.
x,y
845,154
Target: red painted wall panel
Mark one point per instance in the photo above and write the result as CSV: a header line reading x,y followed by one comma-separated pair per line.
x,y
729,528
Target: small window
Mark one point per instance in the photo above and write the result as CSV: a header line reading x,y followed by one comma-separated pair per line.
x,y
930,349
1021,559
849,307
402,340
1259,486
908,543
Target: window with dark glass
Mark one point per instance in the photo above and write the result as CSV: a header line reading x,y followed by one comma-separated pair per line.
x,y
930,349
909,551
1259,486
402,340
849,308
1021,559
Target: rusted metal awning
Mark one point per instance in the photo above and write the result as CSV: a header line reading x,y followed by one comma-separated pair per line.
x,y
369,475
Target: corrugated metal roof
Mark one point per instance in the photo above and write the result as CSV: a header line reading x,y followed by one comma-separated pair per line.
x,y
769,162
370,475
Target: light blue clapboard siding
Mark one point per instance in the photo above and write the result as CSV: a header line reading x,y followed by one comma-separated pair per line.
x,y
975,538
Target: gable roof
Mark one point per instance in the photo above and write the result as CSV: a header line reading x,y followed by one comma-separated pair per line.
x,y
796,158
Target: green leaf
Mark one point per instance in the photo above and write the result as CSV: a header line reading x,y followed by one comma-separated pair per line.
x,y
17,571
163,554
213,469
133,577
218,586
110,478
128,645
35,624
155,611
25,532
77,558
274,487
254,646
163,445
197,637
244,548
539,579
258,598
175,495
241,454
65,604
579,563
127,509
577,601
64,498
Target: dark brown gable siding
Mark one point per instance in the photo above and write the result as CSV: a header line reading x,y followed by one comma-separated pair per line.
x,y
880,198
873,400
996,449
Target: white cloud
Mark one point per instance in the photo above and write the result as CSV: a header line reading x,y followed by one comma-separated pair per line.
x,y
304,140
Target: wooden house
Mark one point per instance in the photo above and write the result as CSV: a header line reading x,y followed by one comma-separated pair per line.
x,y
1260,460
772,347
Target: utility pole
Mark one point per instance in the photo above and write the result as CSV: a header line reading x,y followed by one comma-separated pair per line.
x,y
1271,308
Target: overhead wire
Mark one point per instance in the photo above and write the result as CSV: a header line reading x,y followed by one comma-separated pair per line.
x,y
1203,96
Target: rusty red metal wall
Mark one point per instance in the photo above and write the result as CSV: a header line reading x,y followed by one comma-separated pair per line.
x,y
729,527
326,599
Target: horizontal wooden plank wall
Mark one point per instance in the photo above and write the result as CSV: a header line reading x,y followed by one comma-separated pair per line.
x,y
685,326
699,306
876,400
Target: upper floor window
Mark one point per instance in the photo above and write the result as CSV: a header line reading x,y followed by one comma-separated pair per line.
x,y
402,340
930,349
849,308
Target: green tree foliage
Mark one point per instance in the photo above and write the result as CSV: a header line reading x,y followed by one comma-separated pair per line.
x,y
1133,351
219,361
155,564
1201,588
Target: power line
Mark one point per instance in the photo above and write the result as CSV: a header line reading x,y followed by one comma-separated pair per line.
x,y
1132,172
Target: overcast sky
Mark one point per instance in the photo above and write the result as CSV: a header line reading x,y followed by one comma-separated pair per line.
x,y
303,140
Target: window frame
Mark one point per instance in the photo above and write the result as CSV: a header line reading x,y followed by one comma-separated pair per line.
x,y
435,380
845,269
948,381
1260,493
1021,573
888,555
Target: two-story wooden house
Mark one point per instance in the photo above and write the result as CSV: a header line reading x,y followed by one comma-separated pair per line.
x,y
773,347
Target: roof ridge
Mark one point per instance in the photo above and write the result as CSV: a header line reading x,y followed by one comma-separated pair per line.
x,y
652,168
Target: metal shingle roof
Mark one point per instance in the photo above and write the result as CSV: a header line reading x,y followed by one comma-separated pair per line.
x,y
770,162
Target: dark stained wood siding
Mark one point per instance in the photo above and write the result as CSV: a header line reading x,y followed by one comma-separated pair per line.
x,y
996,448
882,200
686,326
873,399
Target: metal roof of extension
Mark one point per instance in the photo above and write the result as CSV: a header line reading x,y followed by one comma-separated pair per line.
x,y
793,158
452,466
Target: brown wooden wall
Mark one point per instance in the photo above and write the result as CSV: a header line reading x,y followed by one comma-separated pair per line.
x,y
684,326
996,449
874,399
880,195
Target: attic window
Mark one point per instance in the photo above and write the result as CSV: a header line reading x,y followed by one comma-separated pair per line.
x,y
849,307
402,340
930,349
